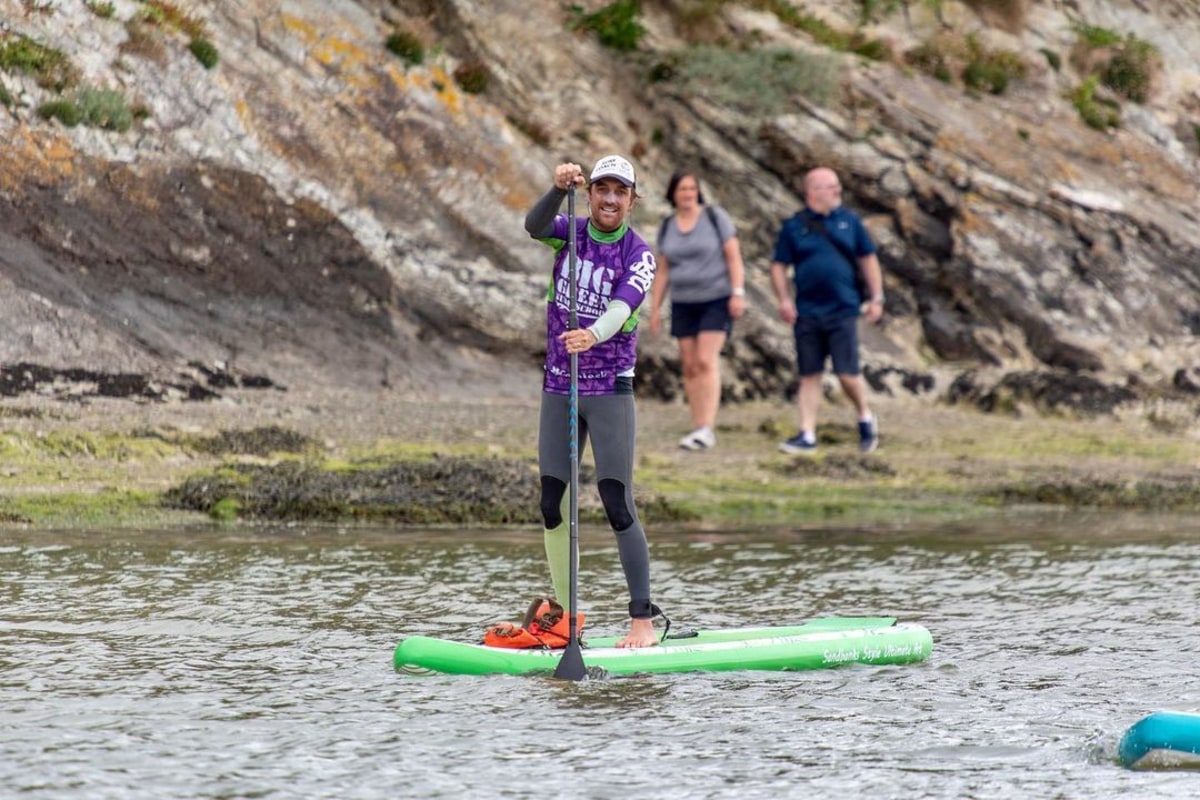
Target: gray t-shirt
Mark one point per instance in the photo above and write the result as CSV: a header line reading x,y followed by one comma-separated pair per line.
x,y
698,271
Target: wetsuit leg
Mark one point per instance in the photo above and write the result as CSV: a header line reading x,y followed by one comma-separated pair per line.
x,y
554,502
554,463
613,421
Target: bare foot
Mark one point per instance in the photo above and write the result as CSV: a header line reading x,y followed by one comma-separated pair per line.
x,y
641,634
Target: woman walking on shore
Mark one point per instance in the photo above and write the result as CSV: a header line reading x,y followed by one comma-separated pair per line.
x,y
700,264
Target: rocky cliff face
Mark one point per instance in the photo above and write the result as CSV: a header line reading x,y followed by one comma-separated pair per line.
x,y
314,207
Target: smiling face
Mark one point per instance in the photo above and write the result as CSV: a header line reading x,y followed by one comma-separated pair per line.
x,y
609,202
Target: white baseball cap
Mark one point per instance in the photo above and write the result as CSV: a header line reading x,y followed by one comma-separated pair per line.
x,y
614,167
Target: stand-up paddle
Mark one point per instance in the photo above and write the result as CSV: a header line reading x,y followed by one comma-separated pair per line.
x,y
570,666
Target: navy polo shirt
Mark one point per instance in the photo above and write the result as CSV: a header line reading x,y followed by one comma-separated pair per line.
x,y
825,280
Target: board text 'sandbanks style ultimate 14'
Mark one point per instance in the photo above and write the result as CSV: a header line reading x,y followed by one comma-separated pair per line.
x,y
817,644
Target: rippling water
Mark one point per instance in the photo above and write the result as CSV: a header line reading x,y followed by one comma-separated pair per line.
x,y
251,663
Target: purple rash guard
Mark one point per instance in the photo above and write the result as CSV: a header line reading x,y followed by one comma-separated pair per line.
x,y
610,266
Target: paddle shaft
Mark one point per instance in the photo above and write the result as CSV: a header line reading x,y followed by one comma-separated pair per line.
x,y
573,411
571,666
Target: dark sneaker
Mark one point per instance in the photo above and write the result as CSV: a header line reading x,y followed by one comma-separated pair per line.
x,y
868,435
797,444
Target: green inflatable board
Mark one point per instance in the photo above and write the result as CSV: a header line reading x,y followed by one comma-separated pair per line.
x,y
817,644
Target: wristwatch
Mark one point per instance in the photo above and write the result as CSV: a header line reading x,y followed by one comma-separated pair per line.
x,y
739,291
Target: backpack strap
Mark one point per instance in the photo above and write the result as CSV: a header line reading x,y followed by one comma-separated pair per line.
x,y
860,283
709,211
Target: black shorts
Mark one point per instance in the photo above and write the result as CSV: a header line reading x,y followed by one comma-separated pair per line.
x,y
689,319
819,338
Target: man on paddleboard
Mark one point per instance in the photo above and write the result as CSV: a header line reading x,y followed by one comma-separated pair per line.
x,y
615,270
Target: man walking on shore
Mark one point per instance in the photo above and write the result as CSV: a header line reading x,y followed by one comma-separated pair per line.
x,y
836,278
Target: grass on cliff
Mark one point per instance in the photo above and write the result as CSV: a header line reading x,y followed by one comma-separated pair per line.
x,y
96,108
1126,66
949,56
102,8
50,67
756,80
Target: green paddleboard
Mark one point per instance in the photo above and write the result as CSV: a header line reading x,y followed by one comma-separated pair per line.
x,y
817,644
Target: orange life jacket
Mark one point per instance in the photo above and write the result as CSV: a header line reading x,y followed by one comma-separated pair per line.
x,y
546,625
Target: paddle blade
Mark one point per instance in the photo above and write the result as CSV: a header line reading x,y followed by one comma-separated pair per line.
x,y
570,666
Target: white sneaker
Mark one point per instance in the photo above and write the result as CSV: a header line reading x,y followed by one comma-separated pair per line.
x,y
699,439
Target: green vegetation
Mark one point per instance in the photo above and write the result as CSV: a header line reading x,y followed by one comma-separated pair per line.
x,y
990,70
151,15
407,46
949,55
65,111
262,441
104,108
615,25
1132,68
60,476
1125,64
1112,495
226,510
944,462
932,59
756,81
694,16
1099,113
95,108
102,8
144,41
204,51
110,506
49,67
472,77
824,33
873,10
1094,37
168,15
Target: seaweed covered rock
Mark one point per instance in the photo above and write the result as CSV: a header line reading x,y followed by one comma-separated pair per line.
x,y
459,490
441,490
